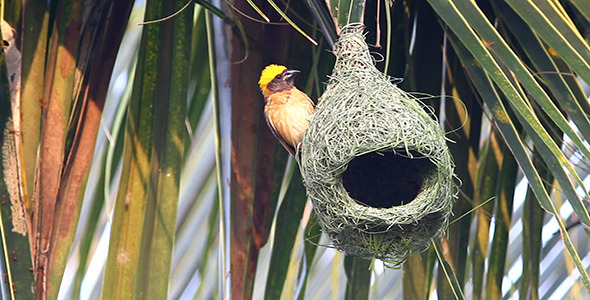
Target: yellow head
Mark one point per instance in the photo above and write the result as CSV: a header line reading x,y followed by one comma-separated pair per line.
x,y
268,74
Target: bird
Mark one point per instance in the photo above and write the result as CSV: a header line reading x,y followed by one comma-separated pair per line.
x,y
287,109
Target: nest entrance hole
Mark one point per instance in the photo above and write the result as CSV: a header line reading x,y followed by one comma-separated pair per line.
x,y
386,179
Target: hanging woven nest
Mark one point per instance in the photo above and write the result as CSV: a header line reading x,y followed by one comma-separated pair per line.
x,y
375,163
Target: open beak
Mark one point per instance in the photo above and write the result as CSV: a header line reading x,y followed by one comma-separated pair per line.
x,y
290,74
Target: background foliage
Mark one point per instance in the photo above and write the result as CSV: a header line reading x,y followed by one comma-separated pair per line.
x,y
136,162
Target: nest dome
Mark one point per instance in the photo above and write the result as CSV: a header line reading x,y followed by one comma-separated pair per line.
x,y
375,162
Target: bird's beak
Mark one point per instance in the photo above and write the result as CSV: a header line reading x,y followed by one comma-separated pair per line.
x,y
290,74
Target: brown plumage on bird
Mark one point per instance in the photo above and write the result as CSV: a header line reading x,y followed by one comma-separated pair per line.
x,y
287,109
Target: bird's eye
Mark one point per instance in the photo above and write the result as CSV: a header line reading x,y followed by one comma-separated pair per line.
x,y
279,76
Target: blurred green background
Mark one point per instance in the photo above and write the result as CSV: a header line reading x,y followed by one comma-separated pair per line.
x,y
136,162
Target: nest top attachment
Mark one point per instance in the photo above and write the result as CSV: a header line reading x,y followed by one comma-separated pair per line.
x,y
375,163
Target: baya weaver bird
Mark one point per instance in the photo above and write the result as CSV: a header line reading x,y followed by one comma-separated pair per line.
x,y
287,109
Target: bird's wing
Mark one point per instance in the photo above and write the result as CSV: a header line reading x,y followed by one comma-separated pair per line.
x,y
312,105
278,136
